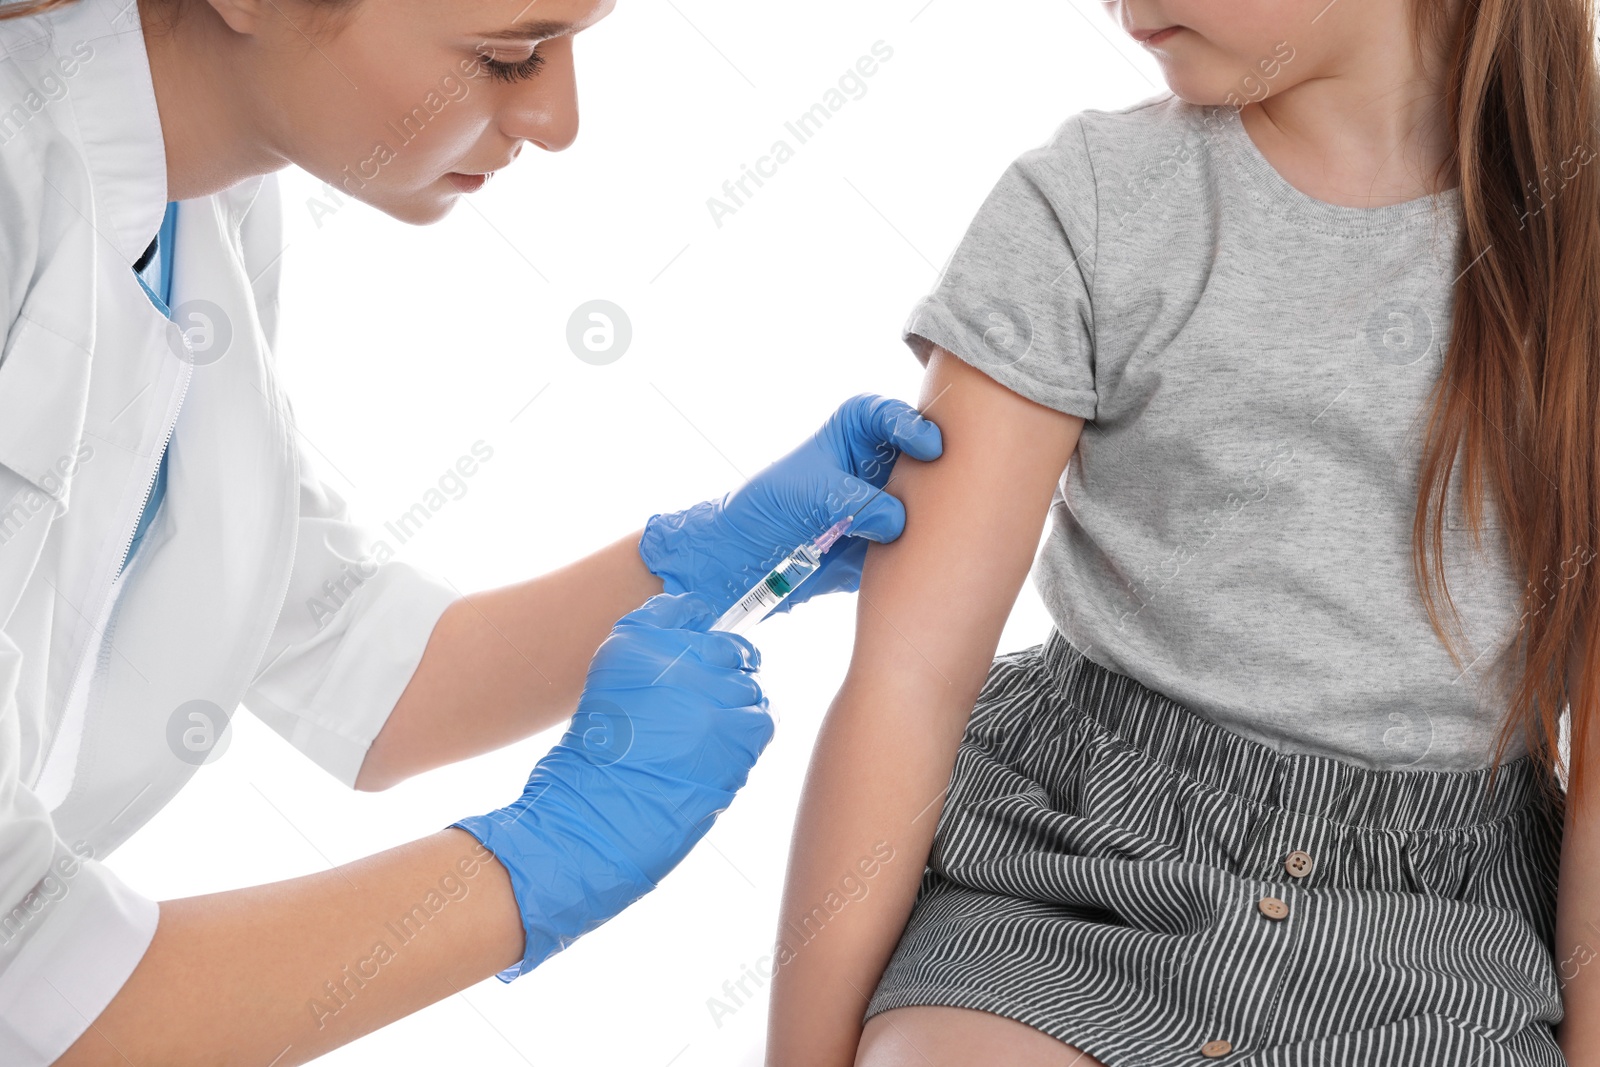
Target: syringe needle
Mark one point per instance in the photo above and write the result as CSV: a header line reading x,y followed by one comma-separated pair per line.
x,y
870,499
836,531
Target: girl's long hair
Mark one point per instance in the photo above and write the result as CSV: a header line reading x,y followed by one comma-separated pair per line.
x,y
1520,388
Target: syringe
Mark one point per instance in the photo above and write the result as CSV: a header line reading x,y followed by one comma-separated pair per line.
x,y
779,582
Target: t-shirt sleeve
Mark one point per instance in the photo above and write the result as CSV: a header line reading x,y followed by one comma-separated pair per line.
x,y
1014,298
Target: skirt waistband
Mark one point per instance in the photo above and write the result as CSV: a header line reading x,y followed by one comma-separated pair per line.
x,y
1177,737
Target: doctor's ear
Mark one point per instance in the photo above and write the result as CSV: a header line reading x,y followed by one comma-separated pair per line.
x,y
297,19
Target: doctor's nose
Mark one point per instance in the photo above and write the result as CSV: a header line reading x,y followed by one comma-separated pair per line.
x,y
546,111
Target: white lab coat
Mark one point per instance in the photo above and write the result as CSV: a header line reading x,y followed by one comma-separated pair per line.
x,y
214,606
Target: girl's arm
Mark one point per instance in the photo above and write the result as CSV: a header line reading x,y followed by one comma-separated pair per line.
x,y
931,608
1578,913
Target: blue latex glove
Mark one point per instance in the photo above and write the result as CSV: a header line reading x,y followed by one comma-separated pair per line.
x,y
720,548
669,724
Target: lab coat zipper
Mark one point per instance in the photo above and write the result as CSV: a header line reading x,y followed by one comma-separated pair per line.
x,y
150,486
90,666
102,661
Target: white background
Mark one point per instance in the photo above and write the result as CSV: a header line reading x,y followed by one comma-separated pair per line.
x,y
404,346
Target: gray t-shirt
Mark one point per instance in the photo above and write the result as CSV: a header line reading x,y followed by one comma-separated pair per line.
x,y
1234,530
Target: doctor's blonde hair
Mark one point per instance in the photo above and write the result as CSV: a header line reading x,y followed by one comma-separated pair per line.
x,y
37,7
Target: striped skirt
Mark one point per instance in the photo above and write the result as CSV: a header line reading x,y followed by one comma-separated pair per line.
x,y
1113,870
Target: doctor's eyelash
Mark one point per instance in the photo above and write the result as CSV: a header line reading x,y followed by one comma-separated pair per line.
x,y
521,70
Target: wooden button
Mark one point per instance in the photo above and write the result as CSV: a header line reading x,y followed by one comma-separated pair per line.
x,y
1298,863
1213,1049
1273,908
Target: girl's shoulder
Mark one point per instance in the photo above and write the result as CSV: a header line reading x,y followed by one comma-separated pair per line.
x,y
1121,153
1117,137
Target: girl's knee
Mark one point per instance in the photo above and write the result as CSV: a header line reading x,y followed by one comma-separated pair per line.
x,y
933,1036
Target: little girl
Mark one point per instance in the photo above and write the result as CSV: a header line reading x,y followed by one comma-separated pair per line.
x,y
1299,361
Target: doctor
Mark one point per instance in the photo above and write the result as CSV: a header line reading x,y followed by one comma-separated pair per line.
x,y
158,521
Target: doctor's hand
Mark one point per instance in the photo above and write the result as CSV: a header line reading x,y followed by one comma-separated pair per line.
x,y
720,548
670,722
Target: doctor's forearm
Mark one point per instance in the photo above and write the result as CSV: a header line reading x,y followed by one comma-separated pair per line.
x,y
504,664
279,974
